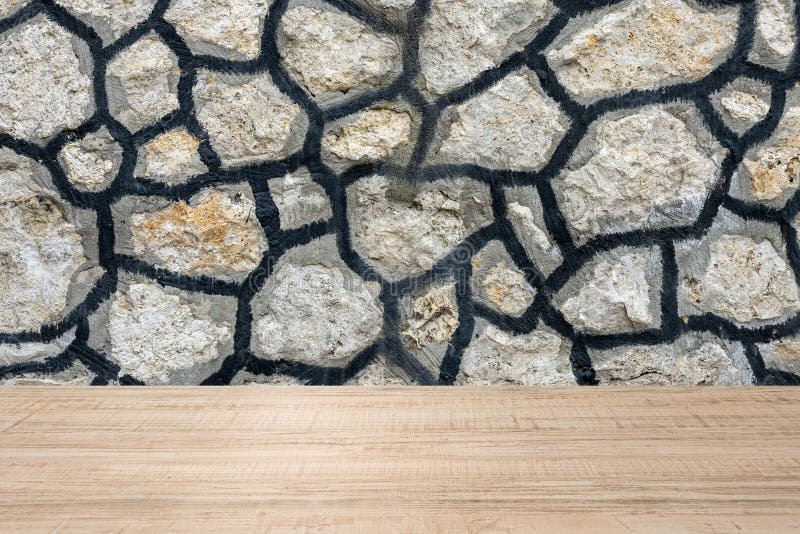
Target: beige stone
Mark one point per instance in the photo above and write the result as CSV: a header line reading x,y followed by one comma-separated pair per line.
x,y
172,157
744,281
512,125
405,229
462,38
642,44
247,119
745,106
783,355
644,170
299,200
773,170
373,135
432,318
326,51
216,234
110,18
142,81
232,26
497,282
43,88
775,25
91,163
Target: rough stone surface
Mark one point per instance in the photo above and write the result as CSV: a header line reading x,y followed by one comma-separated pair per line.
x,y
775,29
745,106
43,88
524,212
498,283
231,28
773,170
215,234
462,38
406,229
642,45
299,200
643,170
9,7
171,157
110,18
313,41
513,125
615,295
158,336
783,355
498,358
744,280
687,362
91,163
40,249
317,315
431,318
247,119
374,134
17,353
142,82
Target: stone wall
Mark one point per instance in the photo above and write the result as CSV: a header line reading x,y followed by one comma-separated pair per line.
x,y
537,192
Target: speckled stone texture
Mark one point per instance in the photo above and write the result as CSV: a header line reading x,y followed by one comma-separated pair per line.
x,y
394,192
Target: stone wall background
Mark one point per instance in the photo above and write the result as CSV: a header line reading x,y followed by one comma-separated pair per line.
x,y
399,192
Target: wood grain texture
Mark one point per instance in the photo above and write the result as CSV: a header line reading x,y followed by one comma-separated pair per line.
x,y
400,460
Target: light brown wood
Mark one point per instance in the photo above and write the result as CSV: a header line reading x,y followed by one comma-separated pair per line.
x,y
400,460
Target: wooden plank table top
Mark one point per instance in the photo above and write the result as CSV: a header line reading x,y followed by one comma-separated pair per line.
x,y
399,460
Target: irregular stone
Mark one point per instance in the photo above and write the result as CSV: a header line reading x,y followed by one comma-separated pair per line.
x,y
643,44
299,200
16,353
687,362
160,336
432,317
171,157
77,375
775,30
316,314
243,378
495,358
142,82
462,38
406,228
373,134
379,373
220,27
744,280
783,355
745,106
498,283
110,18
524,211
216,234
9,7
40,249
91,163
614,293
248,119
326,51
773,169
742,103
43,88
512,125
643,170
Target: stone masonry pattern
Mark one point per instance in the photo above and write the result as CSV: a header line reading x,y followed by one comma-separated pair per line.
x,y
388,192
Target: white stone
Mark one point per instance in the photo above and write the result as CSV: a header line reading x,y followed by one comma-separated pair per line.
x,y
156,335
299,200
462,38
142,81
744,281
614,295
497,358
42,87
377,374
172,157
317,315
247,120
745,106
234,26
497,282
706,364
326,51
373,135
775,25
783,355
92,162
773,170
644,170
642,44
40,249
512,125
405,235
110,18
216,234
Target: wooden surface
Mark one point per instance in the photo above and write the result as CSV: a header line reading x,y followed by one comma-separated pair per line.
x,y
400,460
